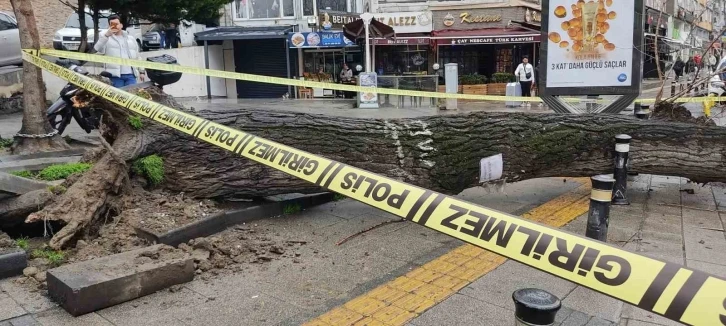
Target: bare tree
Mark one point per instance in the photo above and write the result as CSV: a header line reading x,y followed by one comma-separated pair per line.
x,y
36,134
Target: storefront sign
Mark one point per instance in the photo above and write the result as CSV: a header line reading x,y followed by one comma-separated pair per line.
x,y
471,19
318,40
532,16
368,100
407,22
500,39
595,55
335,20
475,18
402,41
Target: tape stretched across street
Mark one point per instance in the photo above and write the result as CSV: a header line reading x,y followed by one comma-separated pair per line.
x,y
312,84
676,292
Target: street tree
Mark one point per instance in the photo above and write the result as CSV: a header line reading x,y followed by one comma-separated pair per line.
x,y
36,133
440,153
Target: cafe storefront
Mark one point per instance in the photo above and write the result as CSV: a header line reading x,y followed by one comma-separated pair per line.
x,y
486,41
409,53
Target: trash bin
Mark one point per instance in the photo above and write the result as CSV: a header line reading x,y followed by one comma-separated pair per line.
x,y
513,89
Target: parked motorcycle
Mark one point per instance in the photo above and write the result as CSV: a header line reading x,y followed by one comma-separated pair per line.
x,y
62,111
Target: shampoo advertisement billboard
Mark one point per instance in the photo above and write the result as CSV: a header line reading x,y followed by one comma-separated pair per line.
x,y
591,47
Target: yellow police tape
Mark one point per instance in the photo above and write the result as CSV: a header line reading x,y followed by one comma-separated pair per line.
x,y
676,292
311,84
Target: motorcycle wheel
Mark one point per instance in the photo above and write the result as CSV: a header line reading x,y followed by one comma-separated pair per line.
x,y
59,120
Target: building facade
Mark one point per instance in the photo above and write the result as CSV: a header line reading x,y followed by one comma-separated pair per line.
x,y
49,15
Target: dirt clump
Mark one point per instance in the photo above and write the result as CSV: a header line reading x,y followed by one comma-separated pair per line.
x,y
678,113
161,211
7,244
237,248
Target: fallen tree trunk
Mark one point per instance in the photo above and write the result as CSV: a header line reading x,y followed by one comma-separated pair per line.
x,y
441,153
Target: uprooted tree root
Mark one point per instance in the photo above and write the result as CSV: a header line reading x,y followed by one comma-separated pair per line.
x,y
676,112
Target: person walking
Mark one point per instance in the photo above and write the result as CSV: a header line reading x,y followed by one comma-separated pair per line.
x,y
118,43
525,74
678,68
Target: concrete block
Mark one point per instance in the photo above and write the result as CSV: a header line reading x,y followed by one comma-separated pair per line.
x,y
634,313
599,322
25,320
63,153
701,219
91,285
18,185
705,245
463,310
715,269
11,75
594,304
12,263
576,318
9,308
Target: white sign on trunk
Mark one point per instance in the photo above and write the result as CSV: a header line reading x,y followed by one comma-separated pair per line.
x,y
590,43
491,168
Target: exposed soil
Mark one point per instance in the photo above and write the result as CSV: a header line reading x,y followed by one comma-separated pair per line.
x,y
236,248
161,211
7,244
678,113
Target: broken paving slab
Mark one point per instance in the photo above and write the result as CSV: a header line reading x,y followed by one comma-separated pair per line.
x,y
18,185
220,222
91,285
12,262
36,164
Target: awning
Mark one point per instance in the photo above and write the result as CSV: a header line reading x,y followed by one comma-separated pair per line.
x,y
243,33
402,41
485,36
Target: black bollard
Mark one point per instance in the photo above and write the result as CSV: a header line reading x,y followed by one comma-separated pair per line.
x,y
620,192
597,217
643,112
535,307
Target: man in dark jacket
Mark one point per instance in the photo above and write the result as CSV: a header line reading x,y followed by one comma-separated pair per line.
x,y
678,68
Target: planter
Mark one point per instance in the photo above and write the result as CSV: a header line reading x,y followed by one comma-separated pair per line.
x,y
442,89
499,89
480,89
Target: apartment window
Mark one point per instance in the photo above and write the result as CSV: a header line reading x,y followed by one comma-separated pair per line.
x,y
263,9
308,7
334,5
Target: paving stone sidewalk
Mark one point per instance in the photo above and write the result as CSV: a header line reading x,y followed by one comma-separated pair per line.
x,y
664,221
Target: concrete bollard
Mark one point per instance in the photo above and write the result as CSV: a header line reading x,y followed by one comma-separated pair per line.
x,y
620,192
673,88
598,216
535,307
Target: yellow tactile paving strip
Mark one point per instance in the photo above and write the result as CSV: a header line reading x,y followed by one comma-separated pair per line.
x,y
407,296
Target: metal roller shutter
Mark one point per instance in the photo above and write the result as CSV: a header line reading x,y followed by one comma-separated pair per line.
x,y
261,57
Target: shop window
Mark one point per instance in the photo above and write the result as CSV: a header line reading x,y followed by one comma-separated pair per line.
x,y
402,60
308,7
263,9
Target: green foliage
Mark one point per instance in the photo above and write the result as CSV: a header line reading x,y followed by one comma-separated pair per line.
x,y
55,257
57,190
337,197
62,171
6,142
292,209
151,167
163,11
472,79
135,122
503,77
22,243
23,174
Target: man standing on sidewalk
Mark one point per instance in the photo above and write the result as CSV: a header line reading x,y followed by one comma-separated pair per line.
x,y
118,43
525,74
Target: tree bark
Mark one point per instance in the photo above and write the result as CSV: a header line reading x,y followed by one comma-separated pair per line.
x,y
83,47
441,153
34,116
